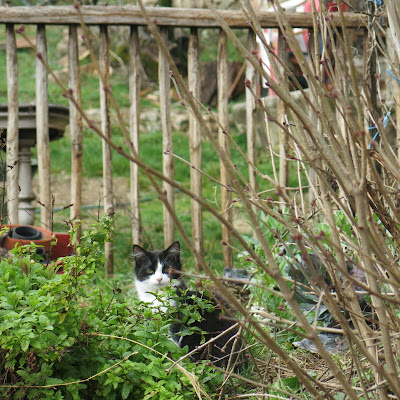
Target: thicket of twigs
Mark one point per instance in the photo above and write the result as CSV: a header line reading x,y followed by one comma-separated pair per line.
x,y
356,272
335,237
341,226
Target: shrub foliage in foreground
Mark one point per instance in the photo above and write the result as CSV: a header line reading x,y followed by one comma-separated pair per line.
x,y
53,332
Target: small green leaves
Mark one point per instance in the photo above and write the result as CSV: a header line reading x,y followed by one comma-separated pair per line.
x,y
47,322
126,389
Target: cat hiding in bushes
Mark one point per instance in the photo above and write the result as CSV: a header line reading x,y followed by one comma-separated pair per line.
x,y
155,270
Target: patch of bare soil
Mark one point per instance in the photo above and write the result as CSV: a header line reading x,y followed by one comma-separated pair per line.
x,y
92,190
93,195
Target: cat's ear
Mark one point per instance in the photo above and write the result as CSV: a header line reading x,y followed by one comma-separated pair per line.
x,y
138,251
174,248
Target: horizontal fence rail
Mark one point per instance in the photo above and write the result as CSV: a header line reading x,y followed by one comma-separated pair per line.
x,y
174,17
104,17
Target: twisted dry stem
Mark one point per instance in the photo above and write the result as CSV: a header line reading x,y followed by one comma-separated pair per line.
x,y
330,140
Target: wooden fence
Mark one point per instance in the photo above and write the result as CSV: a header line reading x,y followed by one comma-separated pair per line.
x,y
104,17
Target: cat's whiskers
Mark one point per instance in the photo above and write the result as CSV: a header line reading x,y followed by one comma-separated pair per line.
x,y
139,255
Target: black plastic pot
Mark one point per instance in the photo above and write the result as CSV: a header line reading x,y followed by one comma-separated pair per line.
x,y
26,233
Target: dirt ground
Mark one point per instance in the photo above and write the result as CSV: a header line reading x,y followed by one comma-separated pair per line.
x,y
92,190
92,195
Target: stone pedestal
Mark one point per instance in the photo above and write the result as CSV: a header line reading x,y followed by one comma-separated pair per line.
x,y
58,119
26,214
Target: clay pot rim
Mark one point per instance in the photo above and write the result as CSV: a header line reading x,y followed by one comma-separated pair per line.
x,y
9,243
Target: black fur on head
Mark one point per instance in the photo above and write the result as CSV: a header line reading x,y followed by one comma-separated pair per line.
x,y
146,262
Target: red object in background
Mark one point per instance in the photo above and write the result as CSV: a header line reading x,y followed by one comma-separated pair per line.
x,y
302,36
9,242
62,248
332,6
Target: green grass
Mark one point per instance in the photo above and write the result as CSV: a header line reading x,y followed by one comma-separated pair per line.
x,y
209,45
150,150
151,207
56,56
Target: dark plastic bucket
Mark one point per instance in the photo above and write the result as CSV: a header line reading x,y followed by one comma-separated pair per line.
x,y
26,233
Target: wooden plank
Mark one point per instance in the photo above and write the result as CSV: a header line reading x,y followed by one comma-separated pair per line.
x,y
165,16
42,129
313,177
195,141
282,111
104,63
392,88
340,72
223,87
134,123
396,98
371,113
12,131
252,81
372,67
168,160
75,125
364,89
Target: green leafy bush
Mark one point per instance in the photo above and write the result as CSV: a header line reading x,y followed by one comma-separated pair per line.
x,y
60,340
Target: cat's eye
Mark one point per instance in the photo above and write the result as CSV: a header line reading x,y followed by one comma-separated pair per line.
x,y
149,271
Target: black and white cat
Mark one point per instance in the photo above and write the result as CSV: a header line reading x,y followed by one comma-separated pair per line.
x,y
154,271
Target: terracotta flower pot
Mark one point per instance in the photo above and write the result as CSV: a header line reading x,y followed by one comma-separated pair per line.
x,y
63,247
26,234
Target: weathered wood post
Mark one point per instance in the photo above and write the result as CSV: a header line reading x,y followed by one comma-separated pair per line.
x,y
104,63
314,64
252,81
42,128
75,126
134,123
195,141
226,194
12,166
168,160
282,111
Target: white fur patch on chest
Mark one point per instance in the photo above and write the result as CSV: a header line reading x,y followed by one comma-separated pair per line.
x,y
146,289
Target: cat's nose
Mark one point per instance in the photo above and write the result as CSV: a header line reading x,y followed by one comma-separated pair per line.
x,y
159,280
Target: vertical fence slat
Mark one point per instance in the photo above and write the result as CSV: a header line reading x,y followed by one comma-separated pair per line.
x,y
251,78
282,111
366,51
134,123
313,178
168,160
370,91
340,78
226,195
195,141
75,124
390,84
12,129
396,98
370,41
42,128
104,63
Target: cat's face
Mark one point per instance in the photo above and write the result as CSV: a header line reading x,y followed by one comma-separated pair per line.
x,y
152,269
